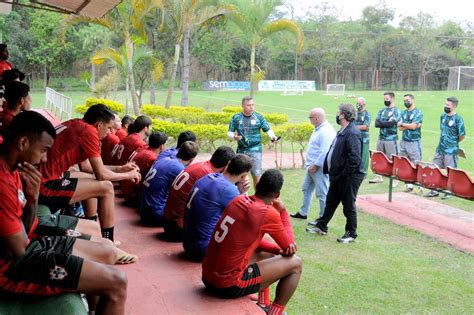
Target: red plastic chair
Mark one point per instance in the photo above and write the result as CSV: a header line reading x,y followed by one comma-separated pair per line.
x,y
403,169
380,164
460,183
430,176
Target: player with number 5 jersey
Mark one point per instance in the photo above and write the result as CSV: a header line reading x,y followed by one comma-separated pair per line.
x,y
226,271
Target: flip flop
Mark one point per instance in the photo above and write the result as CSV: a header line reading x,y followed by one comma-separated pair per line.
x,y
125,259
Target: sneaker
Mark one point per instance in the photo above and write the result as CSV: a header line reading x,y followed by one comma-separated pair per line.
x,y
313,223
377,179
315,230
408,190
446,196
346,238
298,215
432,193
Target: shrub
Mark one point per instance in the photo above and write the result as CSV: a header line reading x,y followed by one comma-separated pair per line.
x,y
113,105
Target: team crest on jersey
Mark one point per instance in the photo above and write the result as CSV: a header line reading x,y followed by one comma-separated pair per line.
x,y
57,273
249,270
253,122
450,123
73,233
390,114
21,197
65,182
411,117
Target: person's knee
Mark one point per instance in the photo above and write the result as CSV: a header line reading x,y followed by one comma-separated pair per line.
x,y
297,264
106,251
118,284
107,187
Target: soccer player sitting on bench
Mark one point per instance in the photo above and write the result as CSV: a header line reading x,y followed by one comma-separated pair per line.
x,y
231,269
47,265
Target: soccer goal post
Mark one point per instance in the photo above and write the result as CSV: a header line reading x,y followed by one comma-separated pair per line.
x,y
461,78
335,89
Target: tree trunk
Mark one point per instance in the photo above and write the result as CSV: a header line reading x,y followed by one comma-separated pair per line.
x,y
296,66
173,75
131,77
152,90
92,76
185,75
252,69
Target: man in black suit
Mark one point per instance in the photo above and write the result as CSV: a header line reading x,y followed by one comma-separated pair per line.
x,y
344,165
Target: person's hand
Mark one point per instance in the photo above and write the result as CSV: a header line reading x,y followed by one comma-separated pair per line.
x,y
130,166
313,169
399,124
276,138
134,176
291,250
278,205
237,137
32,179
244,185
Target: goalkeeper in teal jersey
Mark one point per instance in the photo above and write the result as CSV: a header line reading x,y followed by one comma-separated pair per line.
x,y
245,128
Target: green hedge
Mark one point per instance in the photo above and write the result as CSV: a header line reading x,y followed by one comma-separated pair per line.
x,y
113,105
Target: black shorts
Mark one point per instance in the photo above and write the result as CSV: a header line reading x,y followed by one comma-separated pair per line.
x,y
195,255
59,225
249,283
173,232
47,268
57,193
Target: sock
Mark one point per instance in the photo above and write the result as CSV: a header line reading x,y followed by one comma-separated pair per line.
x,y
276,309
108,233
264,297
93,218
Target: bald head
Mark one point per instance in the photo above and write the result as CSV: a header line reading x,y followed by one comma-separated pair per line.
x,y
317,116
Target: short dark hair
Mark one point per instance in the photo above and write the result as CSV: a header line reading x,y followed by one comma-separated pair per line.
x,y
14,92
391,94
139,124
3,46
241,163
12,75
188,151
185,136
127,120
348,111
28,123
410,96
222,156
453,100
246,99
98,113
270,183
156,139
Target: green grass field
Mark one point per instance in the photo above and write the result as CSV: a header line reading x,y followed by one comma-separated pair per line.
x,y
390,269
297,108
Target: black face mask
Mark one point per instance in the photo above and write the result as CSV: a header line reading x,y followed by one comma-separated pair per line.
x,y
407,104
387,103
447,110
359,107
338,120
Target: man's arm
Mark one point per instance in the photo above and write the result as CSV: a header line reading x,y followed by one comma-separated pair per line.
x,y
385,124
103,173
14,245
32,179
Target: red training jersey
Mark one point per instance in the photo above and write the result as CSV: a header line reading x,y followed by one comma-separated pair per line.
x,y
5,65
236,236
125,148
121,134
107,145
76,141
144,158
6,117
180,189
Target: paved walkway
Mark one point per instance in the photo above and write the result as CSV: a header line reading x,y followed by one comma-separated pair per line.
x,y
445,223
162,282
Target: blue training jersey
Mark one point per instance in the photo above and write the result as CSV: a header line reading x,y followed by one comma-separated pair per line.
x,y
414,116
452,127
156,186
363,118
168,153
207,199
387,114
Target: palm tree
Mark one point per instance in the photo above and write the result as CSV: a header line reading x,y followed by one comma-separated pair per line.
x,y
127,22
184,16
253,18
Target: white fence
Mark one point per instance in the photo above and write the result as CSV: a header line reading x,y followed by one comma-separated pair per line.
x,y
59,104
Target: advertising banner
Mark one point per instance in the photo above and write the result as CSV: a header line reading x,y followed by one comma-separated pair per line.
x,y
283,85
226,85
